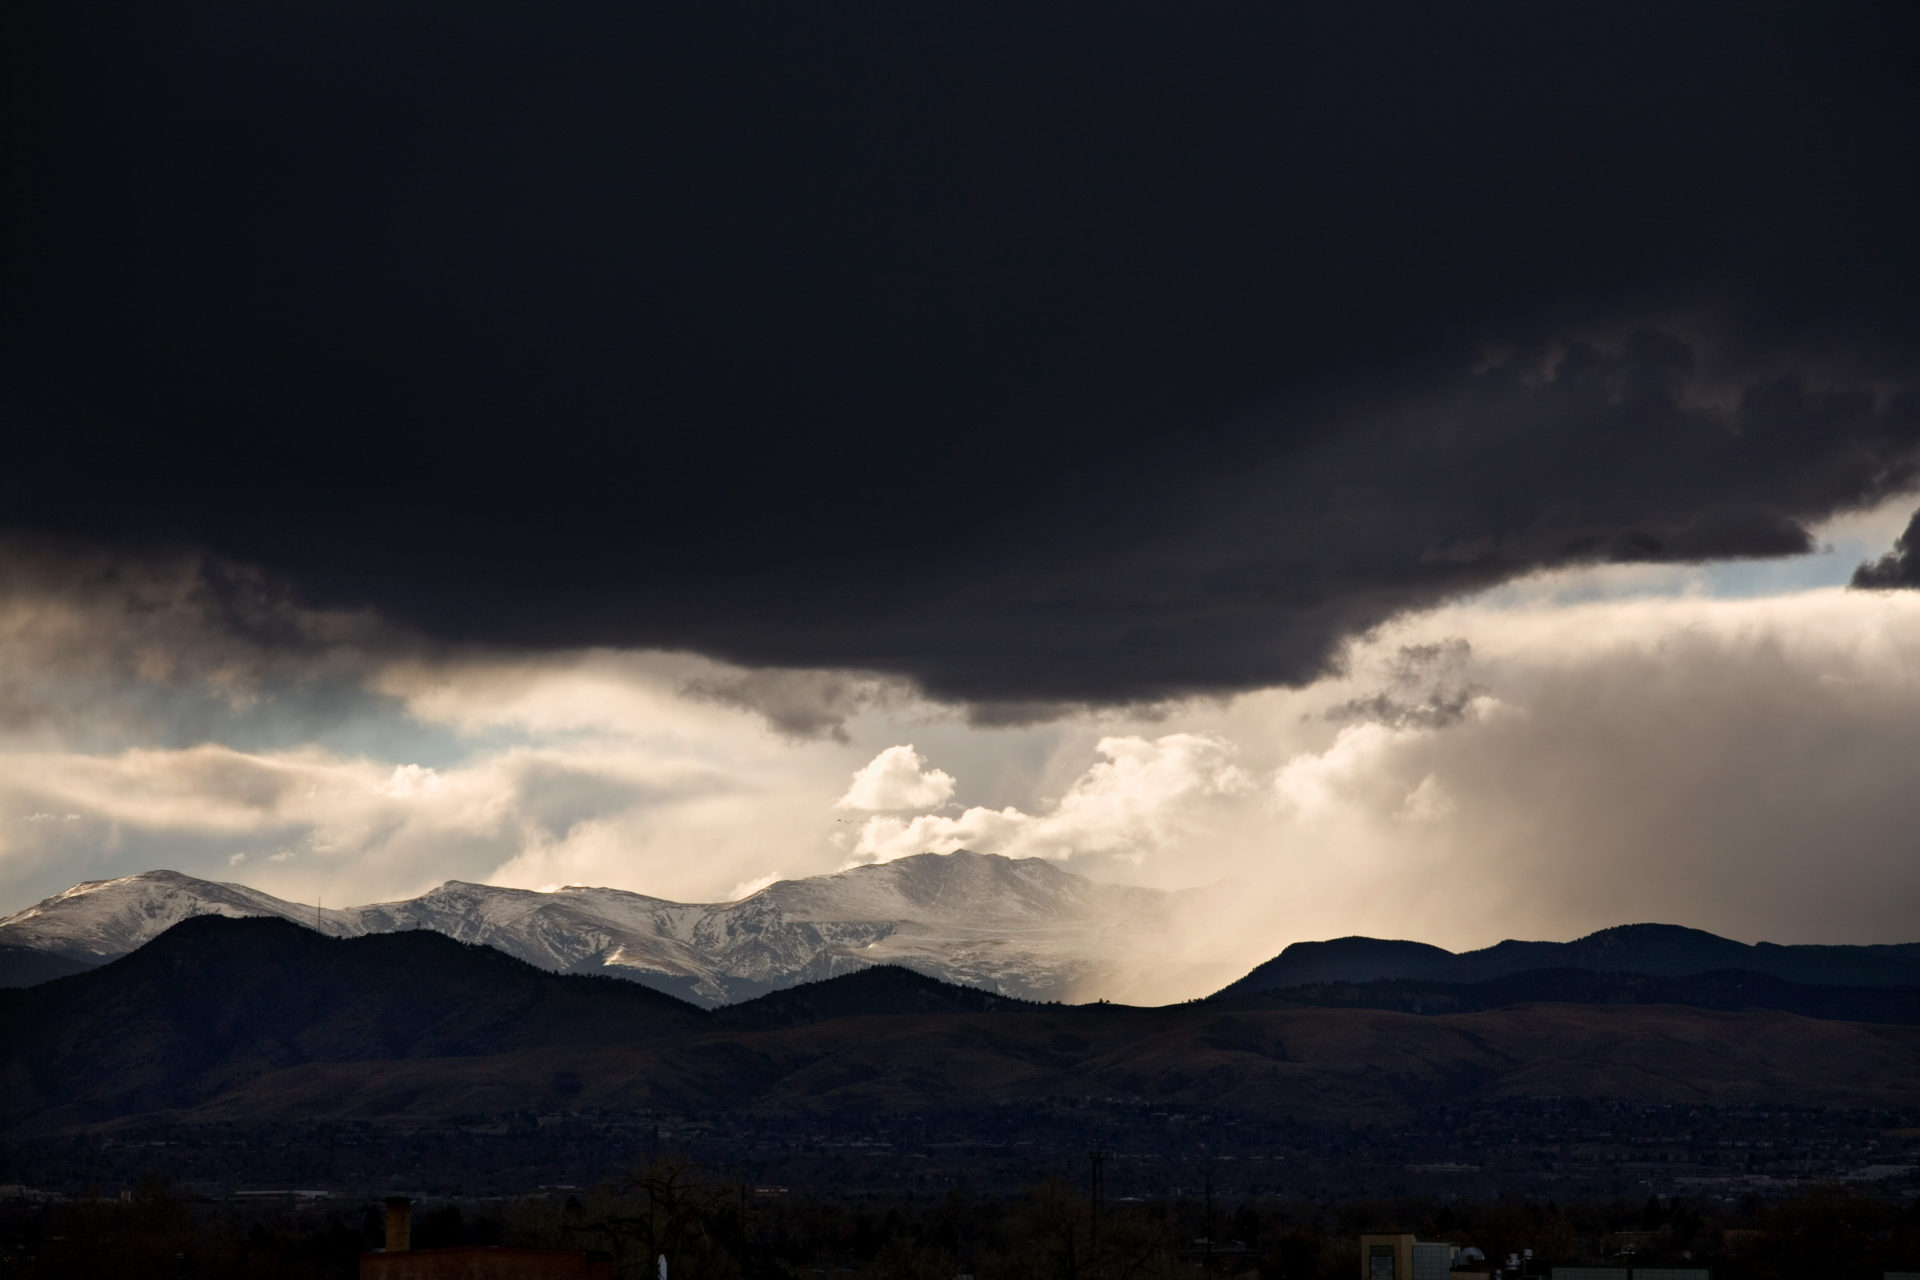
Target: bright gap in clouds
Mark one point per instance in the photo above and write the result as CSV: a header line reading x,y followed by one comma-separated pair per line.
x,y
1842,545
1564,754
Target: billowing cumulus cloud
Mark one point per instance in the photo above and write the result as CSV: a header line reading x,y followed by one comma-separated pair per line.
x,y
897,778
1144,797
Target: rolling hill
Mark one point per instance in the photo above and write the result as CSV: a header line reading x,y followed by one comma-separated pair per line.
x,y
1655,950
1729,990
249,1021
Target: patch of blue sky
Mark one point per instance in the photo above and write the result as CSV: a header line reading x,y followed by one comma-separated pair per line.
x,y
337,716
1832,565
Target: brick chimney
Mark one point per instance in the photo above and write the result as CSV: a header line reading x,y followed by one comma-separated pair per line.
x,y
399,1224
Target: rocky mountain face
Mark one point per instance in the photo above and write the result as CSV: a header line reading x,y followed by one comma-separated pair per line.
x,y
1022,928
1654,950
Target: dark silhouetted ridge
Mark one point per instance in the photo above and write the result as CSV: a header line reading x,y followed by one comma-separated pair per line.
x,y
1725,990
24,966
1344,960
881,990
229,1021
1654,950
214,1001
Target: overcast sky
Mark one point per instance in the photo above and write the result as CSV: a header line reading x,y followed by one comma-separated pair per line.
x,y
1447,467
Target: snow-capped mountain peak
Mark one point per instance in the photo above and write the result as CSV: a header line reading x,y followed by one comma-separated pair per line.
x,y
98,920
1023,927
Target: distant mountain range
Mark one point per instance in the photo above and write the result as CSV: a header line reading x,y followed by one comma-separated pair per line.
x,y
1021,927
1654,950
254,1020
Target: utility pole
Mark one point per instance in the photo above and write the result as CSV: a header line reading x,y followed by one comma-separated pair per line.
x,y
1209,1193
1096,1192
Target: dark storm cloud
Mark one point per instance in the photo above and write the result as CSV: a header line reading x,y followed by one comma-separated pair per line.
x,y
1037,353
1900,567
799,704
1426,687
101,650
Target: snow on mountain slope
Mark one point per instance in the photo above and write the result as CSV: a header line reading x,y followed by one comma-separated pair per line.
x,y
1024,928
98,920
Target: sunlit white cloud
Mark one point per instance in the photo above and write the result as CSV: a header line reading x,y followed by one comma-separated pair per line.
x,y
410,780
1144,796
747,888
897,778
